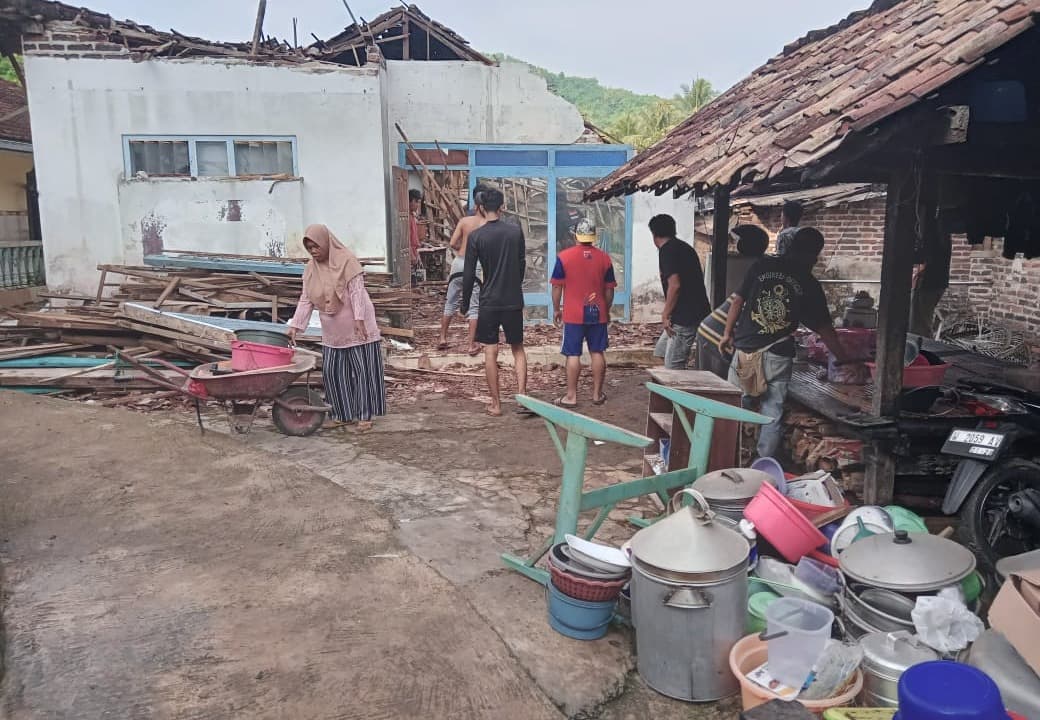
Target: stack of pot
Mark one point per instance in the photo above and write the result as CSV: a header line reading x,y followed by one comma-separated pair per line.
x,y
689,594
884,575
729,491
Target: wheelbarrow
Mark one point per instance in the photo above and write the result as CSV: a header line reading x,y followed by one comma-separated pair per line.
x,y
297,411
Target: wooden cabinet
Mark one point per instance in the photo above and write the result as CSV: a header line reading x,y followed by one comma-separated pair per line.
x,y
662,420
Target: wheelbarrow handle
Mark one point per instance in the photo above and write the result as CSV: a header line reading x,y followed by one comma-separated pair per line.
x,y
154,375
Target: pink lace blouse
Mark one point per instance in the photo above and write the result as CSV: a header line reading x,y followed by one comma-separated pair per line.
x,y
337,331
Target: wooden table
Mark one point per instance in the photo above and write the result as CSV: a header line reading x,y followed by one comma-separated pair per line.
x,y
662,418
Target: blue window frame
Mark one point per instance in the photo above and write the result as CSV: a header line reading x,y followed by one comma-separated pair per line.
x,y
566,169
210,155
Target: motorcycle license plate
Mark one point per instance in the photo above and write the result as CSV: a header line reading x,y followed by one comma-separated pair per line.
x,y
975,444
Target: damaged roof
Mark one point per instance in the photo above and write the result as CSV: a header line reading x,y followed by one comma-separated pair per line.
x,y
803,103
14,113
29,17
403,33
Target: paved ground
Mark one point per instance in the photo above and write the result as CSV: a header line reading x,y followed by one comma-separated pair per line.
x,y
151,574
453,488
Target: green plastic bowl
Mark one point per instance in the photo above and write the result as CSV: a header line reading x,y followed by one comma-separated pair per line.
x,y
972,586
903,519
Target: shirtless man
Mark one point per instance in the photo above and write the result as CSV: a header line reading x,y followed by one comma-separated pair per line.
x,y
459,238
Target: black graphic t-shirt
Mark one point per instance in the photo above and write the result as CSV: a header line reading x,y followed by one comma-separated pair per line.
x,y
778,297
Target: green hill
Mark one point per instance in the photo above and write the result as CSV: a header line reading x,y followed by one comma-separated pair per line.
x,y
602,106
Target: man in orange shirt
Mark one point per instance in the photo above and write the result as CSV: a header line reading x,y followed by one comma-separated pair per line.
x,y
584,280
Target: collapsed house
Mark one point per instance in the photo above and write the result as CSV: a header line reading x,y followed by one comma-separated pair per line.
x,y
151,142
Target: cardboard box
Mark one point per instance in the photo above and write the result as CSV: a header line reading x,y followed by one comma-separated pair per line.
x,y
1016,613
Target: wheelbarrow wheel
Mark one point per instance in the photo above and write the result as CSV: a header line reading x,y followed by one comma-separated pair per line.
x,y
298,423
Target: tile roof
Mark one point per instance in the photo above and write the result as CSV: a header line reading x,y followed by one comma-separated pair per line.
x,y
14,113
390,25
804,102
24,17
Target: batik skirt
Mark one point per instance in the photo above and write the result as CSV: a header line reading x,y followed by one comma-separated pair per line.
x,y
353,380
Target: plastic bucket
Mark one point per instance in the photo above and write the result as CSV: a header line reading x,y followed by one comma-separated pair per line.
x,y
804,629
782,524
944,690
750,652
578,619
917,375
255,356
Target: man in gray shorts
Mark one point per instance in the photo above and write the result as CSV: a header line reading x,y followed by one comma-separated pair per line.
x,y
459,238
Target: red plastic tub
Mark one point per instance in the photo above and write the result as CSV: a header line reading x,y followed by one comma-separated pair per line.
x,y
783,525
255,356
917,375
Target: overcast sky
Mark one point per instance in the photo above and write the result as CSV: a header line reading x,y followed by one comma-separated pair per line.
x,y
648,46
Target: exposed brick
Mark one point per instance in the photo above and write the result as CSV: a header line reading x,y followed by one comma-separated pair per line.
x,y
79,47
108,47
50,46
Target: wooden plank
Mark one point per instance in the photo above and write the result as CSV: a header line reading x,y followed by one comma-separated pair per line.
x,y
185,329
720,245
32,351
170,287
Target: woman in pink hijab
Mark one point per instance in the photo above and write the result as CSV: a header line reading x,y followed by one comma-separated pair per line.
x,y
352,353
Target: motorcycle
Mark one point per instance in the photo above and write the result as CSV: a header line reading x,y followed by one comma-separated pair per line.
x,y
995,488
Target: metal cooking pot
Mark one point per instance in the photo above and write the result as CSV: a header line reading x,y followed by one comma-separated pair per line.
x,y
885,657
729,491
877,610
689,600
907,564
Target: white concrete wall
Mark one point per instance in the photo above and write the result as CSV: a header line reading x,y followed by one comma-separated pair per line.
x,y
475,103
647,299
81,109
261,219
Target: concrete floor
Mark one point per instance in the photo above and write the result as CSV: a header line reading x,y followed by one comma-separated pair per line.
x,y
438,490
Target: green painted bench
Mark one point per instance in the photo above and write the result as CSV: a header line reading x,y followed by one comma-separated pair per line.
x,y
580,429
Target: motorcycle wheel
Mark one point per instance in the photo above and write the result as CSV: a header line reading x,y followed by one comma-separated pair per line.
x,y
987,525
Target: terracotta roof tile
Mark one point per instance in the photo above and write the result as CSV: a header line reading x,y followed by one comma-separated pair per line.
x,y
13,107
801,104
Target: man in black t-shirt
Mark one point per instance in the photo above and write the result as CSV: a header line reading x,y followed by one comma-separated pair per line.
x,y
778,294
498,247
685,298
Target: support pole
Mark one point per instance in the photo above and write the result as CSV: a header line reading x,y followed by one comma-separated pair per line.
x,y
258,29
893,318
719,246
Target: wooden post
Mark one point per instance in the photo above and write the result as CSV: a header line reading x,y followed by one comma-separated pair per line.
x,y
258,29
893,318
406,41
719,246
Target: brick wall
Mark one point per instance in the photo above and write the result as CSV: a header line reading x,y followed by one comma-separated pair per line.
x,y
69,40
984,285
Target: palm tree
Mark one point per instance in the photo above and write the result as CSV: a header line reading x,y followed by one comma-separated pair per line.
x,y
694,96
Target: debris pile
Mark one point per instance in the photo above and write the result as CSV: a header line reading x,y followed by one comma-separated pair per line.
x,y
184,309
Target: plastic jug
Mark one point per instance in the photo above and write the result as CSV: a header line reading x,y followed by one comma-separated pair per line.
x,y
798,631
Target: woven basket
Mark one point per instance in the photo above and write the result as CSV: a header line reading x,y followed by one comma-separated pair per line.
x,y
585,589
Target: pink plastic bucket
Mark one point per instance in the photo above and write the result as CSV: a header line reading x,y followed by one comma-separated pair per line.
x,y
255,356
918,375
782,524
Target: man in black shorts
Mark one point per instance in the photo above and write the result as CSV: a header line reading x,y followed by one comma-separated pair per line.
x,y
499,248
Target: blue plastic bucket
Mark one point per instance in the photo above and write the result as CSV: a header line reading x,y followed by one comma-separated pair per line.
x,y
946,690
578,619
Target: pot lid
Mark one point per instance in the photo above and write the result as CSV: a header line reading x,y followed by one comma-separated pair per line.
x,y
894,652
907,563
732,484
690,541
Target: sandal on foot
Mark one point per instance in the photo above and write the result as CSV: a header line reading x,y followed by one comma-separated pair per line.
x,y
562,402
602,399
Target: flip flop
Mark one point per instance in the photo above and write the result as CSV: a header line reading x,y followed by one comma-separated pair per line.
x,y
363,426
443,346
602,399
560,402
475,351
487,411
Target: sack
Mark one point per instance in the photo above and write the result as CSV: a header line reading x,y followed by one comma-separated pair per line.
x,y
751,372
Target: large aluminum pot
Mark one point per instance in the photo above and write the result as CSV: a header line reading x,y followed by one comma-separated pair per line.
x,y
689,601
